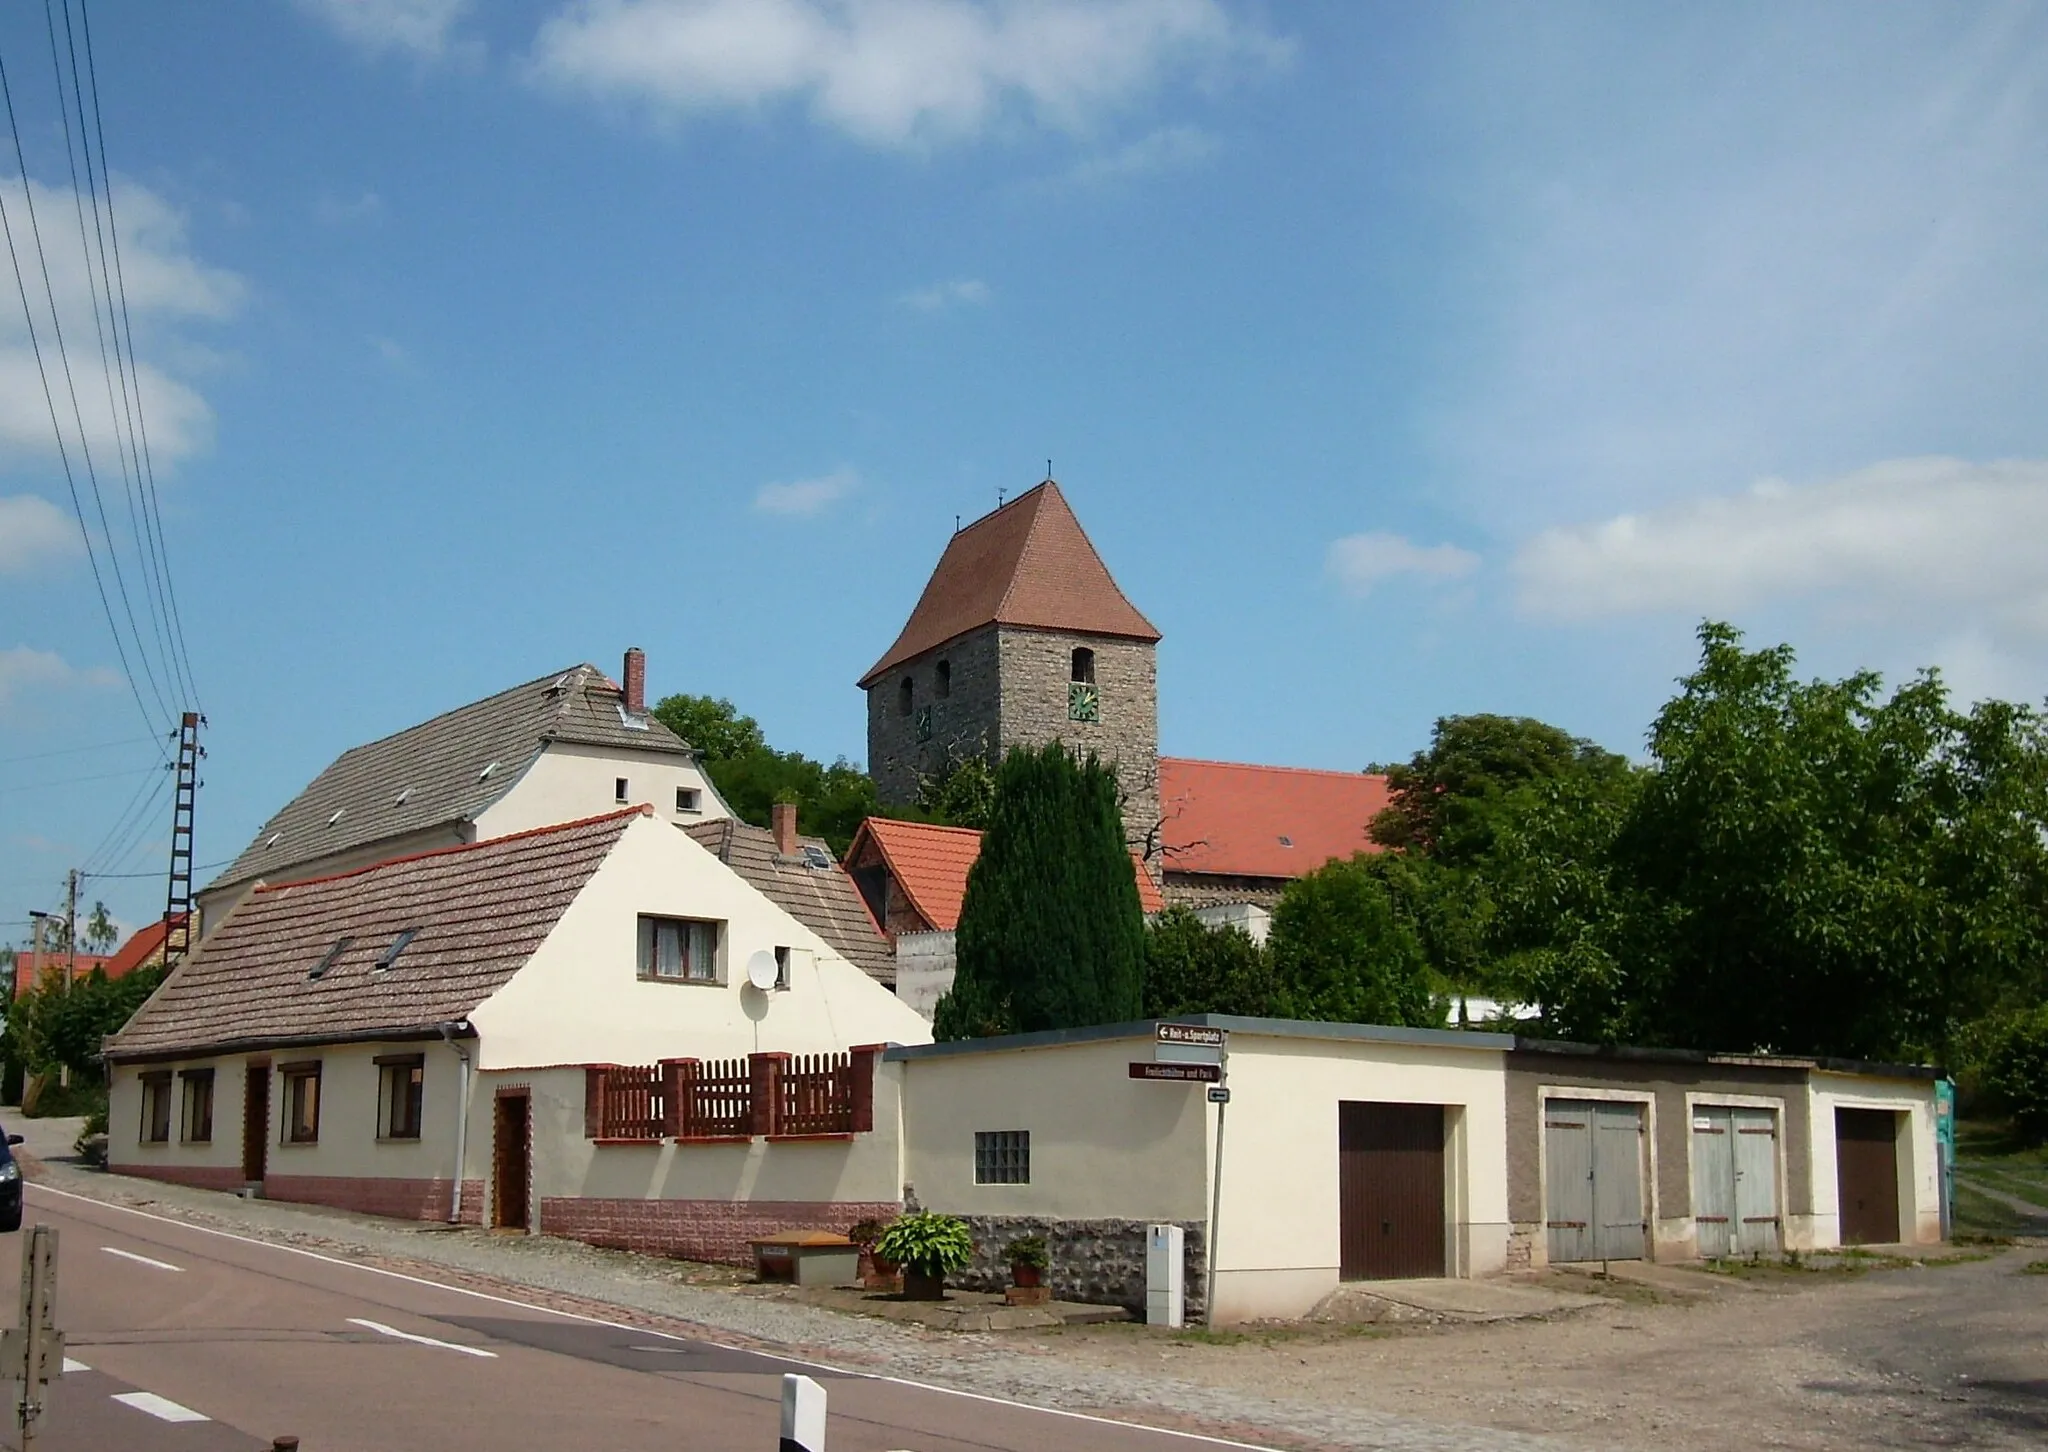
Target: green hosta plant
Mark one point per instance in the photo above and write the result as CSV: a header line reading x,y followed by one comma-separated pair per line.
x,y
927,1243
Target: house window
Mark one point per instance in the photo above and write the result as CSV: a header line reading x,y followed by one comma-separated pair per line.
x,y
1002,1157
687,799
198,1117
1084,665
945,674
156,1107
301,1102
781,967
678,950
401,1080
619,788
906,696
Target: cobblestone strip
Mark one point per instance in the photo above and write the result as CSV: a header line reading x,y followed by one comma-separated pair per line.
x,y
619,1286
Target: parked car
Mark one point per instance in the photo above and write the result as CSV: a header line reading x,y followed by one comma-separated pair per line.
x,y
10,1185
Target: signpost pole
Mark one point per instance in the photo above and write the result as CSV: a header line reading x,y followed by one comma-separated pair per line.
x,y
34,1348
1215,1210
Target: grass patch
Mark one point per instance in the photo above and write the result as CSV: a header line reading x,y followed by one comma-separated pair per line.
x,y
2035,1268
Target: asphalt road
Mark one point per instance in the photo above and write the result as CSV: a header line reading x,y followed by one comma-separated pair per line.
x,y
182,1339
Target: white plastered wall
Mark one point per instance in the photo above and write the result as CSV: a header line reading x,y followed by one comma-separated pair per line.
x,y
567,782
1918,1155
579,999
127,1150
1103,1145
1277,1236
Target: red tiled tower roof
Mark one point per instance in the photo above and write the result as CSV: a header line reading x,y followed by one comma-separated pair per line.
x,y
1028,564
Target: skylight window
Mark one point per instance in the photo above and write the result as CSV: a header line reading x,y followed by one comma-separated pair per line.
x,y
390,954
816,856
319,969
485,773
1286,841
337,815
407,792
275,838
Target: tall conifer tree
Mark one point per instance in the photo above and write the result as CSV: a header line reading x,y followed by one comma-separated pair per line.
x,y
1051,934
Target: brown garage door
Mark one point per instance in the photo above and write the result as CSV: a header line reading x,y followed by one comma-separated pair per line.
x,y
1390,1190
1867,1175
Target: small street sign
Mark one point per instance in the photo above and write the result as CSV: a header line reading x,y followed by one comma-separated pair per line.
x,y
1191,1033
1178,1073
1188,1043
1219,1093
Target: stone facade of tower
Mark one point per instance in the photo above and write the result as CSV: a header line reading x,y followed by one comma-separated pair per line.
x,y
1020,638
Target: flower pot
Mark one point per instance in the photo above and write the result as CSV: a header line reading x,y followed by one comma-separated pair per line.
x,y
1026,1277
921,1286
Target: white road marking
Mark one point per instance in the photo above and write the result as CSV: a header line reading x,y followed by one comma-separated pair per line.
x,y
949,1391
142,1259
381,1329
162,1408
71,1366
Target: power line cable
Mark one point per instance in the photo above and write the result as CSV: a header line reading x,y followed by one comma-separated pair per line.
x,y
122,369
155,511
36,786
140,805
75,750
50,401
64,357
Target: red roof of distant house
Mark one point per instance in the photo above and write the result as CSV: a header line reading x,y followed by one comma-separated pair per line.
x,y
1027,564
144,945
931,864
30,970
1235,820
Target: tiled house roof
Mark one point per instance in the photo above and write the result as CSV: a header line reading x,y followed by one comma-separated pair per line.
x,y
145,945
822,898
1227,819
479,913
30,970
930,865
434,774
1028,564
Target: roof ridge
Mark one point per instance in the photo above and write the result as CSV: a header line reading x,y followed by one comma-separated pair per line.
x,y
1260,766
922,826
642,810
1037,494
549,678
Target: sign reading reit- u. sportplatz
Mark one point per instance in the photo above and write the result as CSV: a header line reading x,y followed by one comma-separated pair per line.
x,y
1190,1033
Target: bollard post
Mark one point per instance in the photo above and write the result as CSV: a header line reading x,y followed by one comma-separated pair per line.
x,y
803,1415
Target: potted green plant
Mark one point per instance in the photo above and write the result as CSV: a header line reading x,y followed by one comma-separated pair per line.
x,y
929,1246
875,1273
1028,1261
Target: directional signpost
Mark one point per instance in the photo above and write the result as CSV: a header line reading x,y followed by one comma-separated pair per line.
x,y
1178,1073
1194,1053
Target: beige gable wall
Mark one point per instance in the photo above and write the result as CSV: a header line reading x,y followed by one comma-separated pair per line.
x,y
1918,1155
567,782
579,1000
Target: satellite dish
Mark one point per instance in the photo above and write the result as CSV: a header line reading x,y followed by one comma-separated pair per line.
x,y
761,970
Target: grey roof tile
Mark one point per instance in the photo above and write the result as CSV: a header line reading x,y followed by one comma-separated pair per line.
x,y
480,912
432,775
823,899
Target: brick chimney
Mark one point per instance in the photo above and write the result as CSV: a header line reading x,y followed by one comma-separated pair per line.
x,y
782,817
636,681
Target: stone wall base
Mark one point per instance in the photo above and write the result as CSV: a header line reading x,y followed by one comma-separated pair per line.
x,y
397,1199
707,1230
1096,1262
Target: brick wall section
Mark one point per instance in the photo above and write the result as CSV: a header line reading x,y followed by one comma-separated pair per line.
x,y
199,1177
1009,688
365,1195
709,1230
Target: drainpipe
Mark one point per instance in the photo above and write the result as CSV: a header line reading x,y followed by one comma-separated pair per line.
x,y
448,1033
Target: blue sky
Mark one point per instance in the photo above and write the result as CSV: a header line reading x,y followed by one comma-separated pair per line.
x,y
1400,360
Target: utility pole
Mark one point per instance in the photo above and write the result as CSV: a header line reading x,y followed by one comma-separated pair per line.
x,y
70,928
178,897
36,920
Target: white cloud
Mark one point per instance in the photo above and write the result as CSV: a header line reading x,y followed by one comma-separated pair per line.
x,y
1361,561
340,211
25,672
165,285
968,290
422,27
805,497
33,530
890,72
1171,148
1926,542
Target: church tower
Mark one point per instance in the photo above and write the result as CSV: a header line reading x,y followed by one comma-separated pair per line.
x,y
1020,638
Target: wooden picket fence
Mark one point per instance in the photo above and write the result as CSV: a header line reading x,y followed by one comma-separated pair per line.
x,y
763,1094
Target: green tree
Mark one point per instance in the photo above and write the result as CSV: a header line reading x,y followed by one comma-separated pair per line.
x,y
712,726
54,1026
1343,953
100,933
1051,934
1191,967
963,795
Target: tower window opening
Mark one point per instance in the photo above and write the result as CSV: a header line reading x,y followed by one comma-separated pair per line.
x,y
1084,665
906,696
945,678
